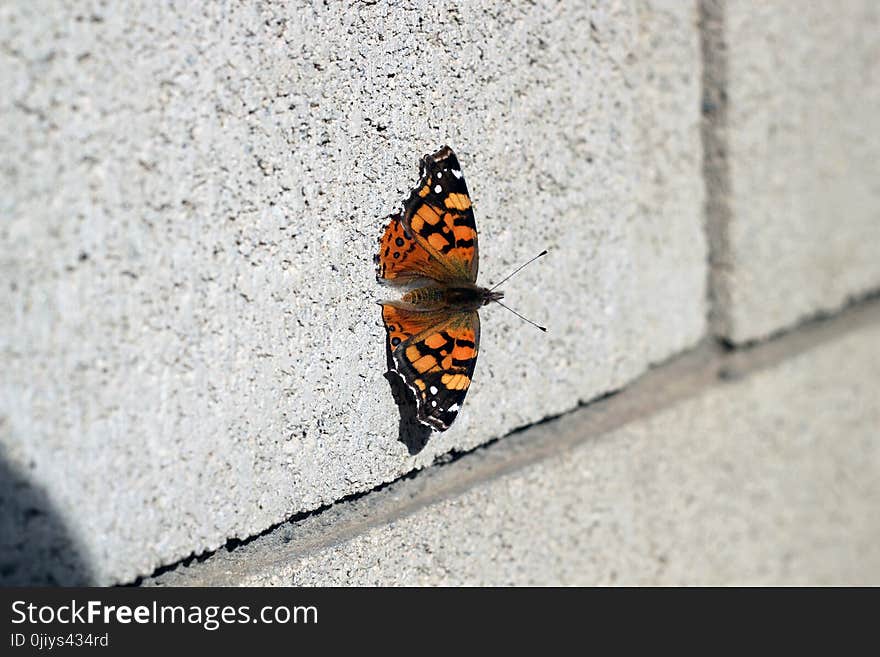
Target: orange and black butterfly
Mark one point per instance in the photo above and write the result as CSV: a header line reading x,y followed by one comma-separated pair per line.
x,y
434,330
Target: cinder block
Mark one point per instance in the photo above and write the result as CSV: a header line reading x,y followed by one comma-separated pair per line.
x,y
798,219
771,479
191,349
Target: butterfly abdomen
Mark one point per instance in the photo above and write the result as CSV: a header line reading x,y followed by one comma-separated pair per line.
x,y
458,297
425,297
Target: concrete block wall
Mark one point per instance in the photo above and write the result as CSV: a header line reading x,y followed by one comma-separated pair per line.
x,y
794,106
718,483
192,354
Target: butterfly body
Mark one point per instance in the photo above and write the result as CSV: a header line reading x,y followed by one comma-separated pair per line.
x,y
459,297
433,331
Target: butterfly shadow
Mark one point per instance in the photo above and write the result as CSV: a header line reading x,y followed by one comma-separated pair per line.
x,y
38,546
412,433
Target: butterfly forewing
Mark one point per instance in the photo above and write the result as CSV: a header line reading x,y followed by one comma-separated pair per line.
x,y
439,215
402,260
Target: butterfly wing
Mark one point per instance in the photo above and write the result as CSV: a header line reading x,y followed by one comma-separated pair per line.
x,y
435,354
439,215
436,236
402,260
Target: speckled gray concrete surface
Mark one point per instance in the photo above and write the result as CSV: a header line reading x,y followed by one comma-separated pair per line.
x,y
192,194
768,478
801,203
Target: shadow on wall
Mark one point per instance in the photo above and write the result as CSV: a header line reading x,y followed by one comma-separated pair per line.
x,y
413,433
36,548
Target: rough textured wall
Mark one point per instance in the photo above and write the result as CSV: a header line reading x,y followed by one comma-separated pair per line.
x,y
799,206
726,486
191,349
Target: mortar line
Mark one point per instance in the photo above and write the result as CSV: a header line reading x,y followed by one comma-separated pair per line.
x,y
716,165
684,376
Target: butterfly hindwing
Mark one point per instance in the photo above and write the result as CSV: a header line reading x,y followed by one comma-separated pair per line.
x,y
435,354
403,321
439,216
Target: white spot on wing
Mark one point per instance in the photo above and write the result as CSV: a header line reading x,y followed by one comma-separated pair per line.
x,y
419,401
456,173
438,189
439,174
454,408
433,390
433,403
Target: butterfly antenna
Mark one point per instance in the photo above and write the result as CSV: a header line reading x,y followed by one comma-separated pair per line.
x,y
516,271
525,319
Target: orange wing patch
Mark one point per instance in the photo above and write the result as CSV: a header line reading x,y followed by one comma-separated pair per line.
x,y
401,259
456,201
449,236
403,323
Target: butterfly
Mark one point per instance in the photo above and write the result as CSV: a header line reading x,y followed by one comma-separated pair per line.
x,y
433,332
